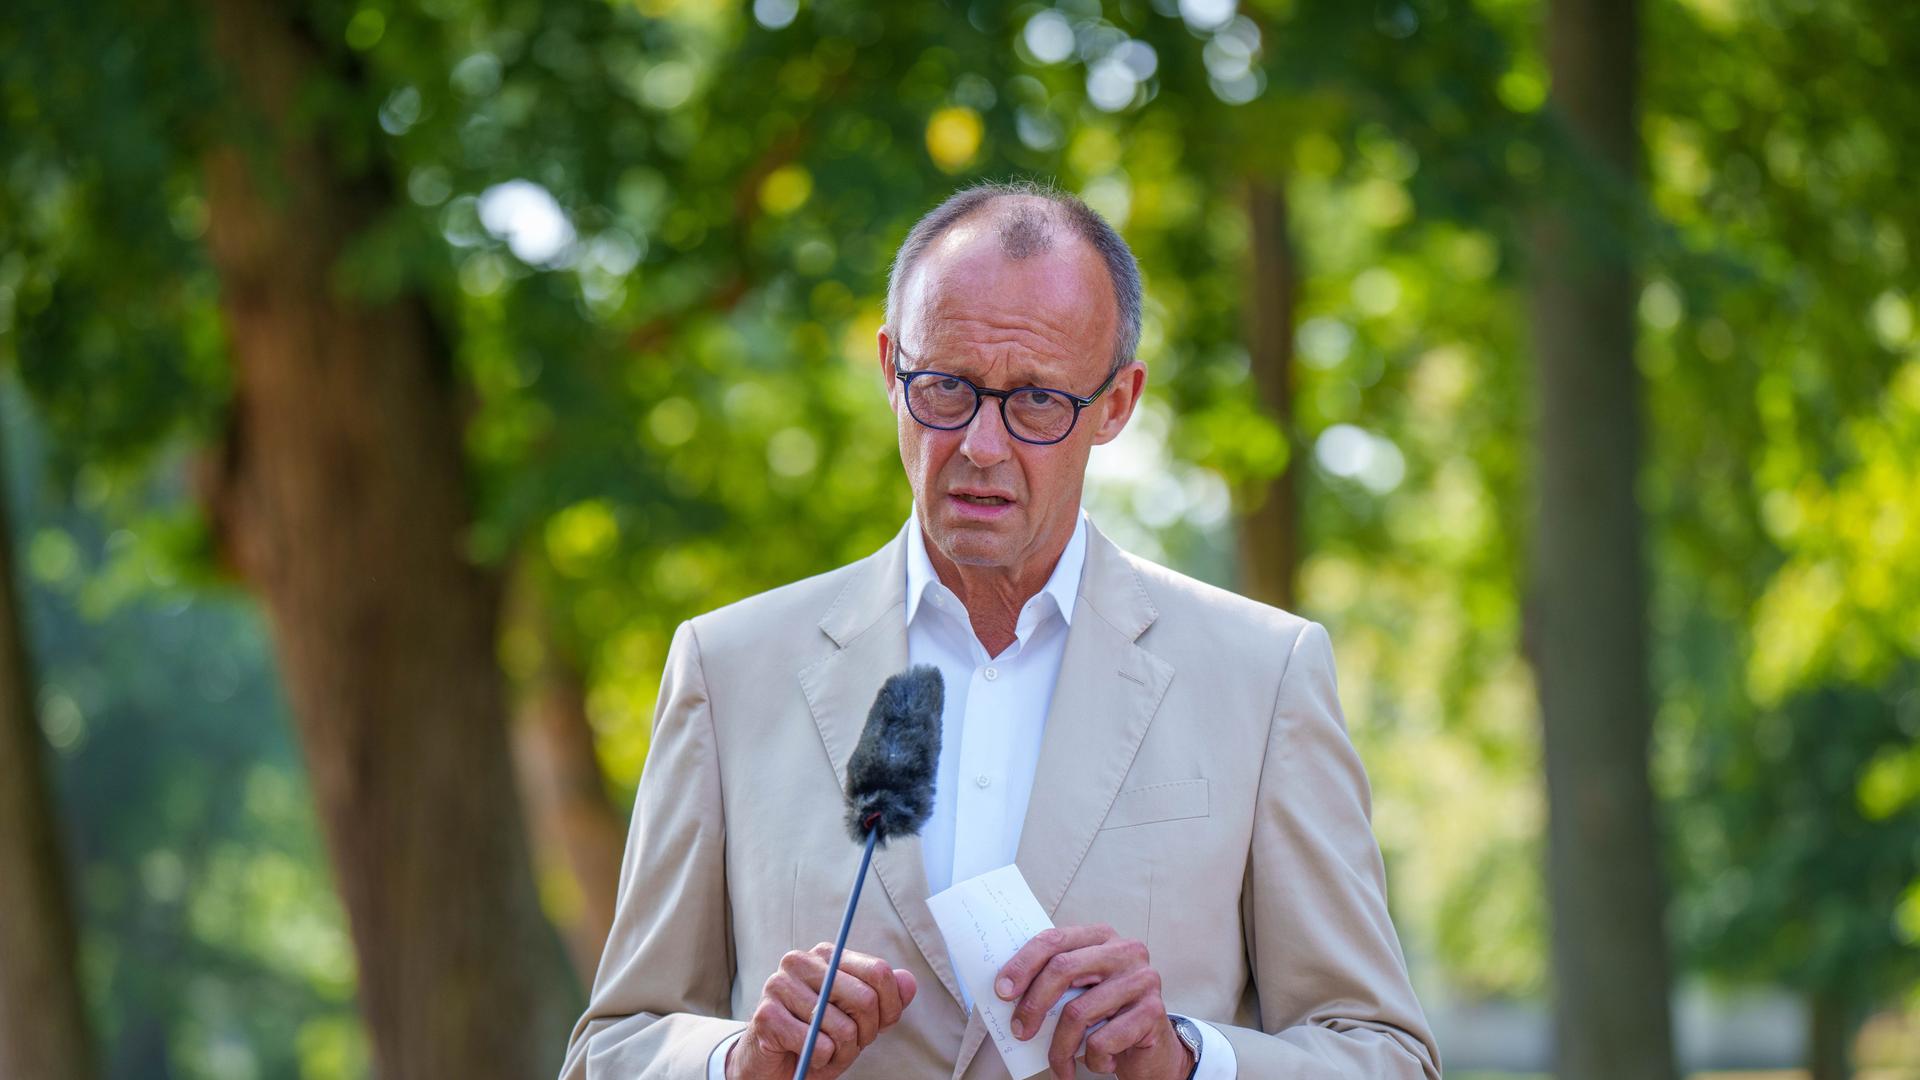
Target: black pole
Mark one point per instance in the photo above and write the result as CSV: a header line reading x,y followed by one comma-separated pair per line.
x,y
839,946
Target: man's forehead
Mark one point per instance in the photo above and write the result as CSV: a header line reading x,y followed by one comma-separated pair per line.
x,y
966,275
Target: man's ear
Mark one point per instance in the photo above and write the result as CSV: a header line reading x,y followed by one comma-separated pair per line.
x,y
885,342
1120,400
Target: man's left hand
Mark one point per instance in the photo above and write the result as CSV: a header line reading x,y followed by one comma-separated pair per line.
x,y
1136,1043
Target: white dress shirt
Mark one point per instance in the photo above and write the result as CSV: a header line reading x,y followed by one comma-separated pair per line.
x,y
995,711
994,714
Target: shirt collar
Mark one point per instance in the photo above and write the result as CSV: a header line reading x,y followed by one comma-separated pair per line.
x,y
1062,587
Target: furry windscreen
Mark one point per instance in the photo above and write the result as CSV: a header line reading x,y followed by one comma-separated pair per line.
x,y
892,768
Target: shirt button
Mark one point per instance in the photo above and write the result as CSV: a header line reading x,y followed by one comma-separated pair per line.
x,y
991,675
981,781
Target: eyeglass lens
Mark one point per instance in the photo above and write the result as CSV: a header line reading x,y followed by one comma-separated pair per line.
x,y
1031,413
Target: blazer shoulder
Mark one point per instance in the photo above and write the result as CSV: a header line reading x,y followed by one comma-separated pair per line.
x,y
787,615
1224,622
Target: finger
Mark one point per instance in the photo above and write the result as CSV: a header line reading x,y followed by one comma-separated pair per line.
x,y
800,999
1100,1003
862,1002
810,970
839,1059
774,1029
850,993
876,974
824,1048
1081,967
1135,1027
1015,974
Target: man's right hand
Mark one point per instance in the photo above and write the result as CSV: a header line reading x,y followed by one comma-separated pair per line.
x,y
868,997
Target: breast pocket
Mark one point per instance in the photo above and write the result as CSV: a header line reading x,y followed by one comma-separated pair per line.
x,y
1173,800
1138,846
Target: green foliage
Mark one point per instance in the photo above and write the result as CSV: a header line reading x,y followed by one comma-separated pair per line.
x,y
1781,360
1806,879
679,407
104,304
668,355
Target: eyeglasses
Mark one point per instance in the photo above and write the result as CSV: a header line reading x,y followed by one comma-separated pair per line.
x,y
1033,414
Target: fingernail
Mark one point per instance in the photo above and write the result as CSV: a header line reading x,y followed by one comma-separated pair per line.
x,y
1004,988
1019,1030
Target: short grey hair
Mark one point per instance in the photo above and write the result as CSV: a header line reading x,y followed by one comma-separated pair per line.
x,y
1025,231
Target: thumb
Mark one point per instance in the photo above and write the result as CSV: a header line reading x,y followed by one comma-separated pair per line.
x,y
909,985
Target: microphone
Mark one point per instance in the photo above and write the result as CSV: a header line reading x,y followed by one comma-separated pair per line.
x,y
889,793
890,775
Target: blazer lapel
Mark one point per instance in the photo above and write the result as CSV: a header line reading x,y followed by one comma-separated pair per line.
x,y
1107,693
868,622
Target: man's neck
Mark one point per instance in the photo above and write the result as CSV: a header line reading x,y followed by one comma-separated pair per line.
x,y
993,595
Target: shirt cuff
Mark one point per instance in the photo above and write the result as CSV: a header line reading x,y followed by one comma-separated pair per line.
x,y
1216,1054
717,1061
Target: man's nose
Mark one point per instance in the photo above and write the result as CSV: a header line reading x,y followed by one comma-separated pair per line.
x,y
987,442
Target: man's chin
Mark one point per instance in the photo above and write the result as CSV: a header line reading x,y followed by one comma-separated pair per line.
x,y
969,544
965,557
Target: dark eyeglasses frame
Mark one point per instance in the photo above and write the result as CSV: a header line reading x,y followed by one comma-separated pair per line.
x,y
906,381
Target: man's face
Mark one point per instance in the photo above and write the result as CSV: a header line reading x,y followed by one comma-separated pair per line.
x,y
985,498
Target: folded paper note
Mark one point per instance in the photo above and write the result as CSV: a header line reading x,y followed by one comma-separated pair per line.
x,y
985,921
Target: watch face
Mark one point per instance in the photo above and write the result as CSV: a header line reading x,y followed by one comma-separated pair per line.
x,y
1189,1034
1190,1037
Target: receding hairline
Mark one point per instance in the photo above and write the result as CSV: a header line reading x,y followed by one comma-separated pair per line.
x,y
1027,220
1019,233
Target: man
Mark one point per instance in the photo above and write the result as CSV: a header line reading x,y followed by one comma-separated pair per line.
x,y
1164,761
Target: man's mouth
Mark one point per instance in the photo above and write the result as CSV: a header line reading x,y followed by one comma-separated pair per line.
x,y
982,500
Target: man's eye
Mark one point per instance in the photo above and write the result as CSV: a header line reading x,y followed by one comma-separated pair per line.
x,y
1039,399
947,386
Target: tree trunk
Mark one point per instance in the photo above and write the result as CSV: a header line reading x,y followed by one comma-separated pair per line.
x,y
1269,524
577,831
43,1028
1829,1038
342,500
1588,611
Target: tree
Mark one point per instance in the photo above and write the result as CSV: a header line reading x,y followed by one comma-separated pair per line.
x,y
342,498
665,400
347,336
1269,530
1588,604
43,1029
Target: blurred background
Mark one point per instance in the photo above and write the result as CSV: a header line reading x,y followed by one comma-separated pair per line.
x,y
382,382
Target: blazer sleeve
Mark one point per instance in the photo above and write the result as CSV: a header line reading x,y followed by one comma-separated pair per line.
x,y
1335,1000
661,998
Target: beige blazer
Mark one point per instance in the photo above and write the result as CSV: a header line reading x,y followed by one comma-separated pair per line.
x,y
1196,791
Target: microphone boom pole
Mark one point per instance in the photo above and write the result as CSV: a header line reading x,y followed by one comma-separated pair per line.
x,y
890,778
839,946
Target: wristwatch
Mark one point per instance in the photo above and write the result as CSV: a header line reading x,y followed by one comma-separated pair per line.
x,y
1189,1033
